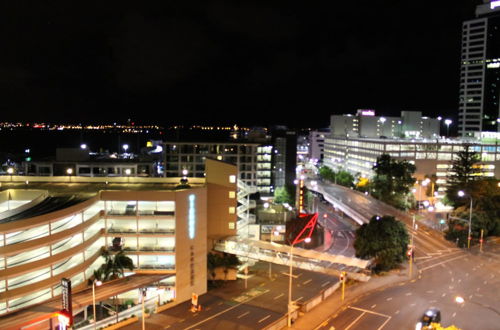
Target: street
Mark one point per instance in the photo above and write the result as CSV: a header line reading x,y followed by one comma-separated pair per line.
x,y
234,307
473,276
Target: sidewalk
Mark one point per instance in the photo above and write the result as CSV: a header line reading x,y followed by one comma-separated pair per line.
x,y
314,318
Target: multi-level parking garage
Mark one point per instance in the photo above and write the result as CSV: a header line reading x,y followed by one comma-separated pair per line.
x,y
163,229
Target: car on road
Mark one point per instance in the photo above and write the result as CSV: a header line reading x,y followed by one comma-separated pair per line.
x,y
431,315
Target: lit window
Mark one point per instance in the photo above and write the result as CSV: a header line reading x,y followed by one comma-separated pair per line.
x,y
232,194
231,225
232,210
232,178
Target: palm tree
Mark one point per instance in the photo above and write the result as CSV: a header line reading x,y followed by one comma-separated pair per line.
x,y
116,265
113,266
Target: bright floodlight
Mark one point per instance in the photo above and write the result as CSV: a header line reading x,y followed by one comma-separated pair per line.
x,y
459,300
10,170
128,171
307,240
98,283
184,172
125,147
83,146
382,119
448,121
461,193
69,171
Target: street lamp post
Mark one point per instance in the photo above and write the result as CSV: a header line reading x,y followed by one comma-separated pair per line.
x,y
423,183
382,120
469,237
69,171
143,295
10,171
448,122
290,309
94,284
275,231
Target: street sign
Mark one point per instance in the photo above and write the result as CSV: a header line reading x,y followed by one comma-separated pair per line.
x,y
67,305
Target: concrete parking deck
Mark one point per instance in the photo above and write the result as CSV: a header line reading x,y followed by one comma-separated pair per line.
x,y
34,314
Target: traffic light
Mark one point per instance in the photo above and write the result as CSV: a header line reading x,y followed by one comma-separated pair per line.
x,y
409,252
342,276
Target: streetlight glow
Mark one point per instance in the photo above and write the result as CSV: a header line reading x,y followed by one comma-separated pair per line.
x,y
448,122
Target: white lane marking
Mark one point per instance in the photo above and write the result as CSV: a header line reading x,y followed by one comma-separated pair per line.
x,y
356,320
389,299
279,296
373,306
370,312
442,263
307,282
454,314
226,310
264,318
408,294
244,314
325,284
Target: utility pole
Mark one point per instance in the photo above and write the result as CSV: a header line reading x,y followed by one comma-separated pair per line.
x,y
481,241
342,279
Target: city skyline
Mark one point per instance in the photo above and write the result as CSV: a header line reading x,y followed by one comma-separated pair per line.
x,y
218,63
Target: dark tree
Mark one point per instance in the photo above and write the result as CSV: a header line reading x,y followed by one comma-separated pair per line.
x,y
385,239
392,181
465,169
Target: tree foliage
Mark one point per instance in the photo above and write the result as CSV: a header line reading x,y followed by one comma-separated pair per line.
x,y
485,212
385,239
113,267
393,180
341,177
465,169
285,194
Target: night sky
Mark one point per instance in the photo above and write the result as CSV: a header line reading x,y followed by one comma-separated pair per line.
x,y
227,62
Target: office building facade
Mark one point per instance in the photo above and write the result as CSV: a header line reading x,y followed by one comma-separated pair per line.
x,y
359,155
365,124
479,100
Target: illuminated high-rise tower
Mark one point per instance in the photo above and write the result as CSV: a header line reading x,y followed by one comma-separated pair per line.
x,y
479,106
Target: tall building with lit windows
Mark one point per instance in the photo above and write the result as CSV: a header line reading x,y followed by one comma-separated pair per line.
x,y
479,104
